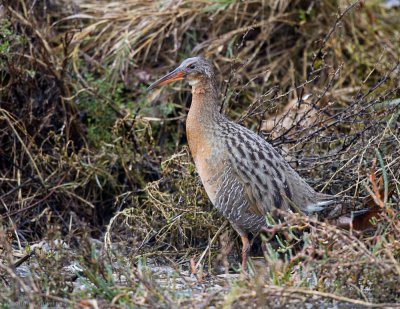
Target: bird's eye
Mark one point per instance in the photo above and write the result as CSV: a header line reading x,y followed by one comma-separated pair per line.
x,y
191,66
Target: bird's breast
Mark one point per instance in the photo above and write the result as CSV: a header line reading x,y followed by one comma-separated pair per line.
x,y
209,157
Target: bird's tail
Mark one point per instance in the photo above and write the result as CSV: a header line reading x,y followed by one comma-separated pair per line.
x,y
324,202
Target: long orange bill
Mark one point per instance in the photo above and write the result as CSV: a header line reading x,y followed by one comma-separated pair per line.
x,y
175,75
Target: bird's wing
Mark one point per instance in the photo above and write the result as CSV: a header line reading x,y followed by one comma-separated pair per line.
x,y
267,179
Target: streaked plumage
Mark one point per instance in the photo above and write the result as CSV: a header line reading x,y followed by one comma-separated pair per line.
x,y
243,175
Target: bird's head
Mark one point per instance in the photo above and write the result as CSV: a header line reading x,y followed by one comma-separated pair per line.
x,y
193,70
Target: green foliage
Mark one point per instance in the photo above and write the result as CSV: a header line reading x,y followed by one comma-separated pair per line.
x,y
6,37
96,104
9,38
10,42
218,5
306,15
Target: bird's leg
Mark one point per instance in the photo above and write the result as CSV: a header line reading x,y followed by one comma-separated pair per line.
x,y
245,251
245,246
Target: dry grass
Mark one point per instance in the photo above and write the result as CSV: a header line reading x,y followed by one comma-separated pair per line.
x,y
88,156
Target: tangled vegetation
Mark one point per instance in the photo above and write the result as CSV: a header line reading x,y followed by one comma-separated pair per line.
x,y
100,203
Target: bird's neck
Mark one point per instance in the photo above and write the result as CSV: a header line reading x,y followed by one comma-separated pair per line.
x,y
204,107
203,117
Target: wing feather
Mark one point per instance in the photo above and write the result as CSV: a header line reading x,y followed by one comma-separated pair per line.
x,y
268,180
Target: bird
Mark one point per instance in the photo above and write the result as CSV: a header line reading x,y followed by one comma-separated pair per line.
x,y
243,175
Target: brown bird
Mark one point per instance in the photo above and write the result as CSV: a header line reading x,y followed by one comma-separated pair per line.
x,y
243,175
